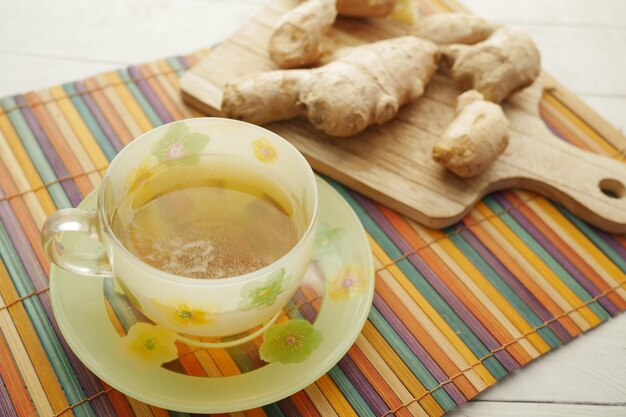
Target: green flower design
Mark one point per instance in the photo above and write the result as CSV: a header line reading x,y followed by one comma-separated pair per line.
x,y
179,142
290,342
264,294
327,239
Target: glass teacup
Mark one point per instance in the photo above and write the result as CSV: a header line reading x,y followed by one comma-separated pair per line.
x,y
201,307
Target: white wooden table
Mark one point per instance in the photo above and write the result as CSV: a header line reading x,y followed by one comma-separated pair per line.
x,y
583,44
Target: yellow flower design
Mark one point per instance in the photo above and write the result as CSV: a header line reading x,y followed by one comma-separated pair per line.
x,y
184,313
150,344
137,175
264,151
347,283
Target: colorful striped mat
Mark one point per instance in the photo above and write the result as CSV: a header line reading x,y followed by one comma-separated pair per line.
x,y
455,310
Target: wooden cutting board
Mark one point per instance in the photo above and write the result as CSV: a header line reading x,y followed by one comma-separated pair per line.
x,y
392,163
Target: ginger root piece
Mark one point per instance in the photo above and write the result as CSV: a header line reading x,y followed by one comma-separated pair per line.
x,y
264,97
366,86
448,28
401,10
475,138
504,63
297,36
365,8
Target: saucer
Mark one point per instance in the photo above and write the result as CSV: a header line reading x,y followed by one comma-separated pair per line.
x,y
153,365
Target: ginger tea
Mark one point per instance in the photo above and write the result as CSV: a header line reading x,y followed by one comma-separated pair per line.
x,y
210,218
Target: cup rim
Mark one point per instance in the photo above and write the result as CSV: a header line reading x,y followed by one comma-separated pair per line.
x,y
249,276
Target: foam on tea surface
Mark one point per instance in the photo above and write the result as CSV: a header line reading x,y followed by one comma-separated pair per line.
x,y
208,222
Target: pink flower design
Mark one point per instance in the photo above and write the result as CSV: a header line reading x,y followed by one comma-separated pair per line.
x,y
175,150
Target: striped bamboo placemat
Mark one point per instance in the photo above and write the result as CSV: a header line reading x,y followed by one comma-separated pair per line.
x,y
455,310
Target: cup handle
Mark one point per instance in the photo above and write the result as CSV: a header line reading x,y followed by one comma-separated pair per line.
x,y
93,264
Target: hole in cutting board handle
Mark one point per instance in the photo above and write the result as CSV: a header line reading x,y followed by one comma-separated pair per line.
x,y
612,188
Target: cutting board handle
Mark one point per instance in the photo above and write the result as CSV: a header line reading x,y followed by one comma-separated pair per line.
x,y
590,185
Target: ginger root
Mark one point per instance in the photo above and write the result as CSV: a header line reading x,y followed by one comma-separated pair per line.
x,y
366,86
448,28
504,63
401,10
365,8
475,138
295,41
297,37
264,97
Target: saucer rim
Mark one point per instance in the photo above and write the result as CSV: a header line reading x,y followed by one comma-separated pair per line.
x,y
313,374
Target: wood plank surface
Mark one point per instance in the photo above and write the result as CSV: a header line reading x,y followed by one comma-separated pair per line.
x,y
514,409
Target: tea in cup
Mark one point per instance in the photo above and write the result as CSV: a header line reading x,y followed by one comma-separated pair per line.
x,y
208,225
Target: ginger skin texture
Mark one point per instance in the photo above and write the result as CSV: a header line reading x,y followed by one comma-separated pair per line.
x,y
506,62
475,138
264,97
365,8
297,36
449,28
401,10
367,85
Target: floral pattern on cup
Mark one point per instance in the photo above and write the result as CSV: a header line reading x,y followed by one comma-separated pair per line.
x,y
327,239
149,344
346,284
137,175
181,312
179,142
290,342
265,151
259,295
